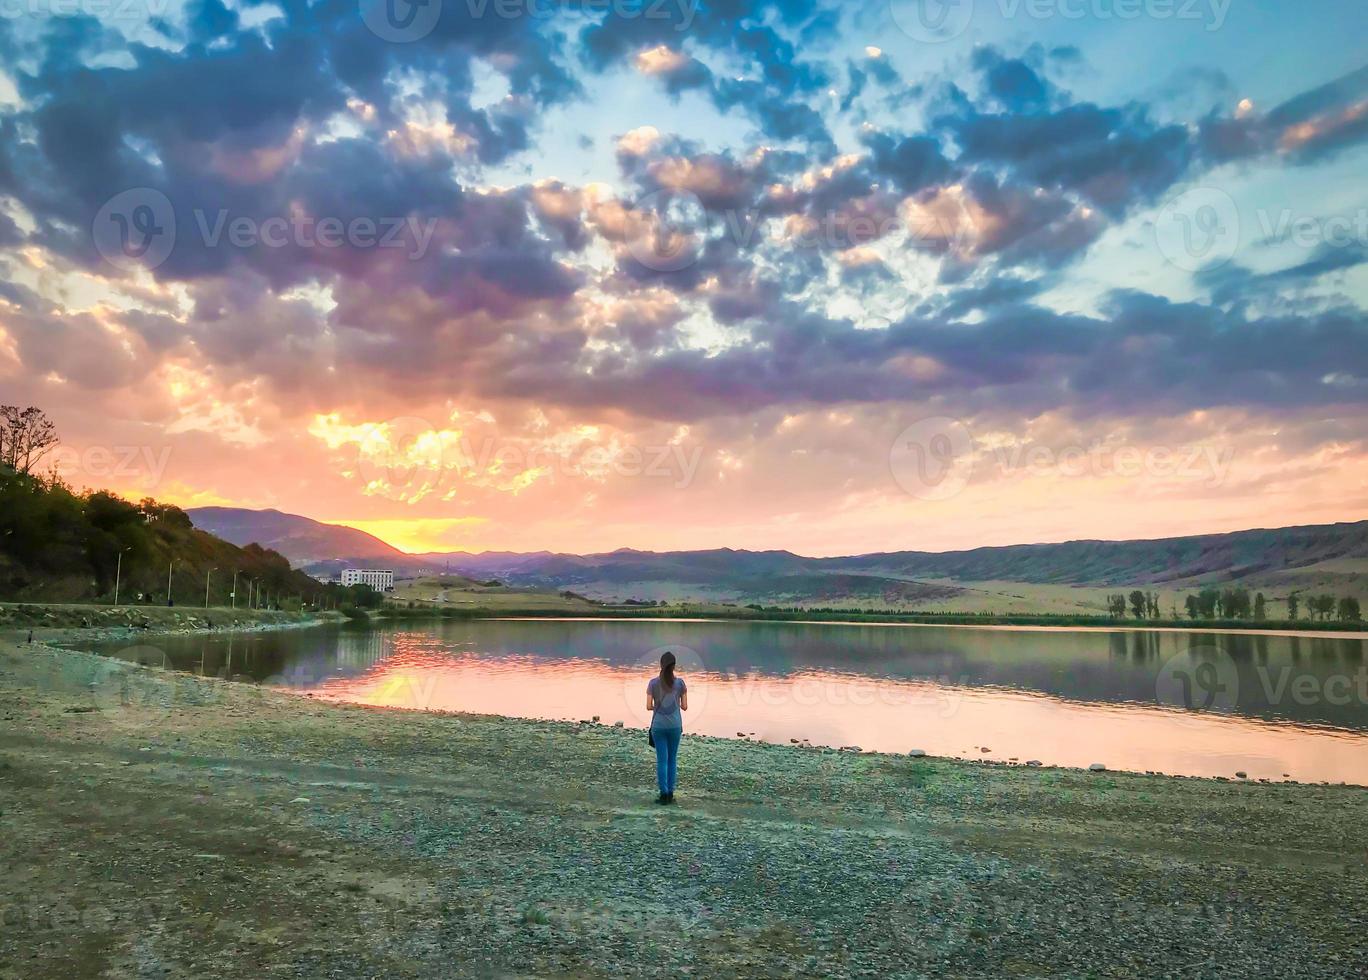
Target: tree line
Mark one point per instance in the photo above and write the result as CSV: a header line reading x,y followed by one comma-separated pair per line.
x,y
1235,603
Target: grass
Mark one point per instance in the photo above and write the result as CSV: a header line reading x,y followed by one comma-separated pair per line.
x,y
456,593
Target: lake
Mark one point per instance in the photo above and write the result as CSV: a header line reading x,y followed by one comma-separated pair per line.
x,y
1274,706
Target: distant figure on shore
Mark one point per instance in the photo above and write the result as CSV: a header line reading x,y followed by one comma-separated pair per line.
x,y
30,639
666,697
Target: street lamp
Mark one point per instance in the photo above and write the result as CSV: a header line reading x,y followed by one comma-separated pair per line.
x,y
169,565
234,596
118,571
209,572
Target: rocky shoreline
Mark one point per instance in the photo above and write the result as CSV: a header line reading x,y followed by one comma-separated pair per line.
x,y
245,832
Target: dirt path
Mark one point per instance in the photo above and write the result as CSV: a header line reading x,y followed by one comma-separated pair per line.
x,y
214,829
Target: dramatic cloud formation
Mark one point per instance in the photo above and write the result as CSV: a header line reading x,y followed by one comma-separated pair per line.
x,y
679,274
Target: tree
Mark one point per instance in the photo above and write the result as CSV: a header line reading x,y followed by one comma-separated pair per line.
x,y
1322,605
26,436
1208,602
1235,604
1193,607
1349,609
1116,606
1139,603
1293,605
1260,606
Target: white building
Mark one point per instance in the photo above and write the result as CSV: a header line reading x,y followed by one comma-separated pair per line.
x,y
379,579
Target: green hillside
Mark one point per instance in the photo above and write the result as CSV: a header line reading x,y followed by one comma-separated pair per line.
x,y
1259,556
63,546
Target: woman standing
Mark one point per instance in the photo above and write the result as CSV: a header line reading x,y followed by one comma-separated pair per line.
x,y
666,697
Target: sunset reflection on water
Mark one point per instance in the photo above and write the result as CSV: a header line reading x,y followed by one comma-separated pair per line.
x,y
940,711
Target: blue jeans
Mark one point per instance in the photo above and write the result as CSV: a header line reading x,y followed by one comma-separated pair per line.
x,y
667,755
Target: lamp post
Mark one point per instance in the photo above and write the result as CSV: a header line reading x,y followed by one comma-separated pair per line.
x,y
169,565
235,575
118,572
207,573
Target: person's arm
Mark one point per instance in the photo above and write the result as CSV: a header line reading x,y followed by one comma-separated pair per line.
x,y
650,699
683,696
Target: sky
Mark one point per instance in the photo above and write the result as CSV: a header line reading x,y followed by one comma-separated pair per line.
x,y
665,274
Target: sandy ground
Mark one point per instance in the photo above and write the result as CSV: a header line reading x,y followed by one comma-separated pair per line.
x,y
163,825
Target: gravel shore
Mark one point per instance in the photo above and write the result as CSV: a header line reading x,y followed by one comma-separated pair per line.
x,y
165,825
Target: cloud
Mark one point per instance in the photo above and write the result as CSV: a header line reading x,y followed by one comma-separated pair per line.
x,y
815,197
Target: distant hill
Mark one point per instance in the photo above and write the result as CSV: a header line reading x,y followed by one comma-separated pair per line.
x,y
1193,560
1331,557
300,539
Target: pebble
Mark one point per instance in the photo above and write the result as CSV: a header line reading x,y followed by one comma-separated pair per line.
x,y
918,753
300,799
617,724
1097,767
1242,775
1033,763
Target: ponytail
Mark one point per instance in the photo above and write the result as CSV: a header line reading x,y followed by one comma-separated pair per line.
x,y
667,673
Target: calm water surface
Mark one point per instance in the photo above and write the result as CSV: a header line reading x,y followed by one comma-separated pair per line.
x,y
1273,706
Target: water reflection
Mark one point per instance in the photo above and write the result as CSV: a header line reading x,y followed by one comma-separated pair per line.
x,y
1193,703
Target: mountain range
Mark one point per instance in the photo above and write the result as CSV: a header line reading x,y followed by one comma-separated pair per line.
x,y
1330,557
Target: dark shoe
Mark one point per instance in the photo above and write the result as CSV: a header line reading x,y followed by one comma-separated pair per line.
x,y
663,798
669,798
